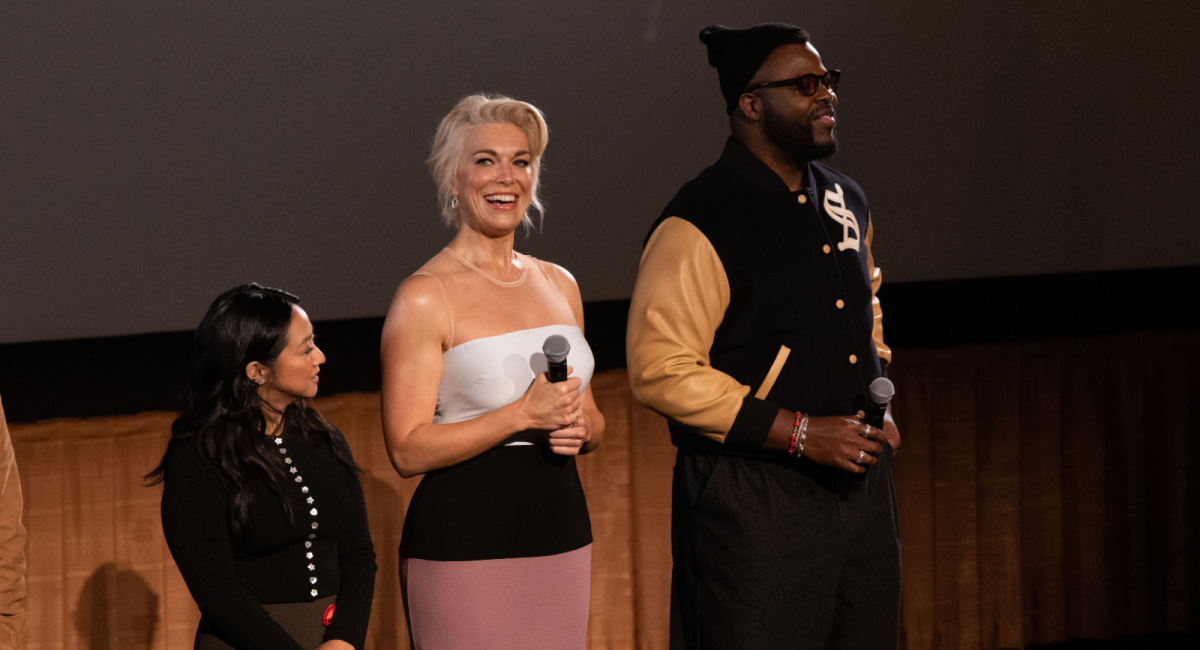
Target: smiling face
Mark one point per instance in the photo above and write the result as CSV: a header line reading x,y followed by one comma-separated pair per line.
x,y
495,181
802,127
293,374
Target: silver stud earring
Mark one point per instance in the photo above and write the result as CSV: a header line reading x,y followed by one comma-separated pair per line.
x,y
454,202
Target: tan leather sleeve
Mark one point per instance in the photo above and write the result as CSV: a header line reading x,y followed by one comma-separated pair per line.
x,y
885,353
678,302
12,546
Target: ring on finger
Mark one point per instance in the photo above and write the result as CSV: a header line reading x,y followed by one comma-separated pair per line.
x,y
867,432
861,454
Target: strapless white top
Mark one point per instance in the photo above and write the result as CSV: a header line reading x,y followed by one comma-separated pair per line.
x,y
481,375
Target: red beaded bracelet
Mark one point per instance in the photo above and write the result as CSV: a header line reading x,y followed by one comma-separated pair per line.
x,y
795,435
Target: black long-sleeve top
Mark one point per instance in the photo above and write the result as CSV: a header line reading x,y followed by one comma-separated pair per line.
x,y
326,550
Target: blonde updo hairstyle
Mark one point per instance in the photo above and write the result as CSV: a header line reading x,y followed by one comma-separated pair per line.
x,y
476,110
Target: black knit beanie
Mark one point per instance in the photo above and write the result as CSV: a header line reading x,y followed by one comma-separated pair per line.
x,y
737,54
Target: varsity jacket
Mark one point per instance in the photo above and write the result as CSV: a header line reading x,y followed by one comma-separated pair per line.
x,y
751,298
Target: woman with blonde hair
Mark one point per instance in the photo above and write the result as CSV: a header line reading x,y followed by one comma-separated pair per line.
x,y
496,549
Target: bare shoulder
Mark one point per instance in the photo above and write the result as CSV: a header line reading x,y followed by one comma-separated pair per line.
x,y
418,307
559,275
419,292
565,284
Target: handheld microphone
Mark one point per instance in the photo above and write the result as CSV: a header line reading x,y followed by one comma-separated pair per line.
x,y
880,392
556,348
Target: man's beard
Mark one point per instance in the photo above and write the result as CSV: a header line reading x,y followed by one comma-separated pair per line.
x,y
796,138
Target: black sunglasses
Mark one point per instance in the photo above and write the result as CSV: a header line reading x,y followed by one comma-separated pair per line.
x,y
806,84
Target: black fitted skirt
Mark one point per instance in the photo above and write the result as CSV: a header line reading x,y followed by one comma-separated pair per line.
x,y
304,621
514,501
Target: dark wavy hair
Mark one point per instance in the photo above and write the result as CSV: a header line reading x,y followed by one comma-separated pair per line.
x,y
222,409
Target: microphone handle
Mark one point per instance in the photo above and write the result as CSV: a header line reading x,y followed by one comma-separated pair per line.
x,y
556,371
874,414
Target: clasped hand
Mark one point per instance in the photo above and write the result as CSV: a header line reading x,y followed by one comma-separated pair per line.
x,y
846,443
558,409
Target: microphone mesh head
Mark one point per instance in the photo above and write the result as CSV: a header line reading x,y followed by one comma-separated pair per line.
x,y
556,347
882,390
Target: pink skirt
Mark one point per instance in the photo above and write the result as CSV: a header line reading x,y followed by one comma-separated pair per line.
x,y
510,603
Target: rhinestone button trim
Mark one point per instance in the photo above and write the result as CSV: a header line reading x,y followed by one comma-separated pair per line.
x,y
309,555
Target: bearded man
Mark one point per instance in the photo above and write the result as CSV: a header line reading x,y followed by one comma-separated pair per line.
x,y
755,330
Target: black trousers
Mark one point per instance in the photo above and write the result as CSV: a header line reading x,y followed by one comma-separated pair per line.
x,y
771,555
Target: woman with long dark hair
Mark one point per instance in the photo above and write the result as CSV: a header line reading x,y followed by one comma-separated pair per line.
x,y
262,507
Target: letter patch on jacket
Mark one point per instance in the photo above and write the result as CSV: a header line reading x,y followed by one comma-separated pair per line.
x,y
835,207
